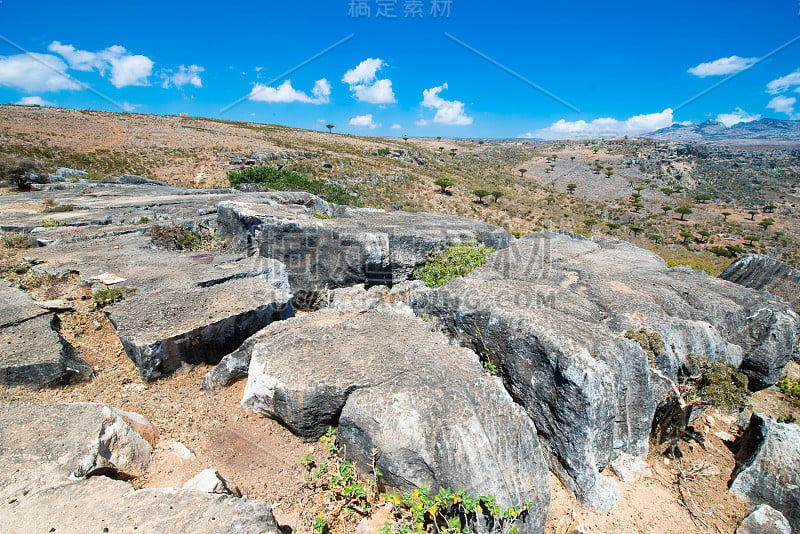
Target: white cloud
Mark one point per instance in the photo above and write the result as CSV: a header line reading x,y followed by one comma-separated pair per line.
x,y
784,83
396,127
364,121
449,112
735,117
126,69
722,66
35,73
285,93
364,85
783,104
422,122
34,101
604,127
185,75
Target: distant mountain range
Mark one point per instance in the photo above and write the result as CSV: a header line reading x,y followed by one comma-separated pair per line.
x,y
760,132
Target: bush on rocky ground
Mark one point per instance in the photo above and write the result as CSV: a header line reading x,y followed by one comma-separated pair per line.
x,y
286,180
457,260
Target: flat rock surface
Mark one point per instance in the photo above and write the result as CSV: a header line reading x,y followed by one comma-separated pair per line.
x,y
405,400
32,352
552,311
188,306
117,204
348,246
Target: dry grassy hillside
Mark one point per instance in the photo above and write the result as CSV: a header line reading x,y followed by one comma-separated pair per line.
x,y
621,188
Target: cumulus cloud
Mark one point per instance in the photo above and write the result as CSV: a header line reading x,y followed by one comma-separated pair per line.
x,y
449,112
364,121
604,127
396,127
285,93
783,104
784,83
722,66
185,75
125,69
34,101
366,87
35,73
735,117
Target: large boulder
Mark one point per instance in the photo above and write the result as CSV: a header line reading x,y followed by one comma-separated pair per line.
x,y
346,246
44,445
34,353
765,273
188,307
406,402
768,466
552,312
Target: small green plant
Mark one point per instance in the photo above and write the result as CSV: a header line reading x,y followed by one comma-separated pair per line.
x,y
323,216
791,390
650,341
457,260
58,209
50,223
111,295
383,151
490,368
142,220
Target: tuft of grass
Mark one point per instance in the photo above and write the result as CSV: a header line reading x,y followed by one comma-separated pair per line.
x,y
286,180
15,241
106,297
457,260
323,216
650,341
58,209
50,223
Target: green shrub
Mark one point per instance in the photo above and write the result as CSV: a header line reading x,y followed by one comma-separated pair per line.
x,y
719,382
456,260
174,237
323,216
383,151
106,297
58,209
50,223
286,180
791,390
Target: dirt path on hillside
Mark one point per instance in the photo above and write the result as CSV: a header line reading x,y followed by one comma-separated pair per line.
x,y
116,138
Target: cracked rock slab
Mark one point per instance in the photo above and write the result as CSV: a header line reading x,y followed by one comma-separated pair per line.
x,y
188,307
32,352
348,246
405,400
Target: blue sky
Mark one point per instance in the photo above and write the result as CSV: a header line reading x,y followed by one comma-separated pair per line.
x,y
611,68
